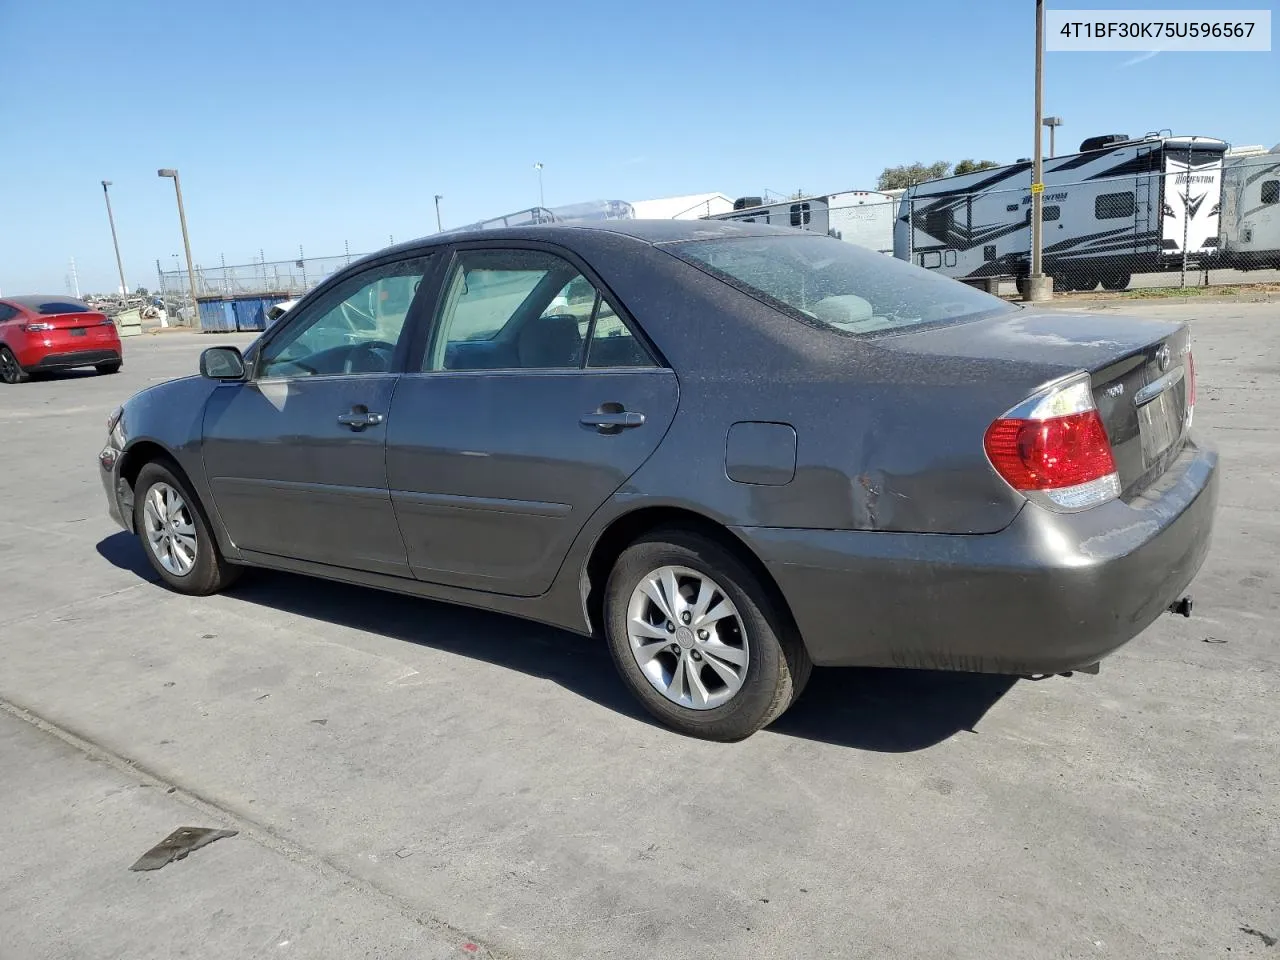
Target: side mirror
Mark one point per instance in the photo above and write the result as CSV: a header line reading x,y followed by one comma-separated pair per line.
x,y
222,363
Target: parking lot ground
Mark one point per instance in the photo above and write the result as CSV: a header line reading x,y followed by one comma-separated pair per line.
x,y
402,769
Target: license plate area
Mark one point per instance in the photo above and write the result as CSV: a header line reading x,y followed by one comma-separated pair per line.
x,y
1158,425
78,331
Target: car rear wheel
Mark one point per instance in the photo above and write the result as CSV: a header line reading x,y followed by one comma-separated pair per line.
x,y
10,370
175,533
111,366
696,638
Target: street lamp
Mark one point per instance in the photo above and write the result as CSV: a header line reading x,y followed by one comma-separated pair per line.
x,y
1052,123
439,197
124,287
186,241
541,202
1039,287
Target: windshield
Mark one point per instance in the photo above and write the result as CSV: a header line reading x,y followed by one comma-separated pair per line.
x,y
837,284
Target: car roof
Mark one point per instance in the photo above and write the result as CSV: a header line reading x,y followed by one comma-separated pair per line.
x,y
646,231
33,301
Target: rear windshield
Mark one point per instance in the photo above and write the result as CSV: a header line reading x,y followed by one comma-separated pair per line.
x,y
61,306
837,284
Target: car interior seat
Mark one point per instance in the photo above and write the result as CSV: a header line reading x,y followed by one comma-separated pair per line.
x,y
552,341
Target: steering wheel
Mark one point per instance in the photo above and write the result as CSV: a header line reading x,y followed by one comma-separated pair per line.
x,y
377,353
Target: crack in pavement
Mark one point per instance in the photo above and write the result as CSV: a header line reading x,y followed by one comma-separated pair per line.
x,y
258,832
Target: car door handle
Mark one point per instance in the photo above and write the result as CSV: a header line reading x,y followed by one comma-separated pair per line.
x,y
613,422
359,419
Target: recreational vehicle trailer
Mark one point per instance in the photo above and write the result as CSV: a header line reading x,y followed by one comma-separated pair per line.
x,y
1118,207
864,217
1251,208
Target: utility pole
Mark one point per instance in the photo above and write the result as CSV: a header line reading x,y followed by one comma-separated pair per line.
x,y
1053,123
1039,287
75,279
124,287
439,197
186,243
541,200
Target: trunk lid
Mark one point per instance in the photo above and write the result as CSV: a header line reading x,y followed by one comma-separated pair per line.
x,y
72,321
1139,374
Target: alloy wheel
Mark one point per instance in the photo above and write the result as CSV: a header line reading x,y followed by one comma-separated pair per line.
x,y
170,529
687,637
8,367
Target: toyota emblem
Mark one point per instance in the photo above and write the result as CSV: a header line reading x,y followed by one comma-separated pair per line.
x,y
1162,357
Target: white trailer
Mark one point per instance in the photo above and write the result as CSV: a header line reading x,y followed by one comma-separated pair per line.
x,y
864,217
1251,208
1118,207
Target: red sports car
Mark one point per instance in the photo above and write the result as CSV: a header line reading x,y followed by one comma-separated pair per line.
x,y
54,333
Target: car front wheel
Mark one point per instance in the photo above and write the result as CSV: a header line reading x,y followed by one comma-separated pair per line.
x,y
175,533
696,638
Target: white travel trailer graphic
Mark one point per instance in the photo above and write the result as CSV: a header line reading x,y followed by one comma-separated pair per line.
x,y
1251,208
864,217
1118,207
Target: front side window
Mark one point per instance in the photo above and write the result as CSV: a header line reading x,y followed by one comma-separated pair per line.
x,y
525,309
354,328
837,285
1113,206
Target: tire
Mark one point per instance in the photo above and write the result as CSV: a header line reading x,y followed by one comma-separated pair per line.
x,y
10,369
777,666
207,572
111,366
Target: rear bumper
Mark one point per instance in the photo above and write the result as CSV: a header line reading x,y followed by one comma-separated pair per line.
x,y
1051,592
75,358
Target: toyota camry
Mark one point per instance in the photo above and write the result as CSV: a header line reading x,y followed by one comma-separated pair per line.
x,y
729,451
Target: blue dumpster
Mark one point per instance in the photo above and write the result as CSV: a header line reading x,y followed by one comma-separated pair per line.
x,y
217,315
251,312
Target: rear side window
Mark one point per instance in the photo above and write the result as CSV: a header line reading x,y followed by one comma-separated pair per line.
x,y
1113,206
837,285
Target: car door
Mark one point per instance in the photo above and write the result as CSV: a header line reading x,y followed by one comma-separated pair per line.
x,y
535,401
296,455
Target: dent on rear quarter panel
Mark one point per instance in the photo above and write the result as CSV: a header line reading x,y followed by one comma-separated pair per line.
x,y
884,441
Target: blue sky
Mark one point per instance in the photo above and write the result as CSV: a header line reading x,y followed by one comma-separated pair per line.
x,y
321,123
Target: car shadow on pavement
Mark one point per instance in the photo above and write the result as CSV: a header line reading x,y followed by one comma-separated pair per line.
x,y
890,711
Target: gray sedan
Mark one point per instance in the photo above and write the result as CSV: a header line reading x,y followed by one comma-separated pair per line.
x,y
730,451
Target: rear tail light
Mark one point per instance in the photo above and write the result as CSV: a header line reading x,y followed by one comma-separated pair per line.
x,y
38,327
1054,450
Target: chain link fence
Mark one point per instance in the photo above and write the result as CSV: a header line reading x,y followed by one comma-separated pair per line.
x,y
284,279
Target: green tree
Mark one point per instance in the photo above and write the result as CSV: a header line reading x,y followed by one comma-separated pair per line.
x,y
902,176
141,291
973,166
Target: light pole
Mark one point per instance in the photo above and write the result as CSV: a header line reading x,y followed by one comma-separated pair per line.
x,y
1052,123
124,287
541,201
186,241
1039,287
439,197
